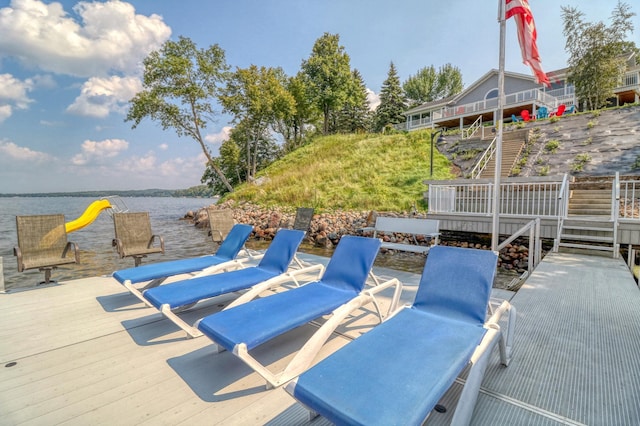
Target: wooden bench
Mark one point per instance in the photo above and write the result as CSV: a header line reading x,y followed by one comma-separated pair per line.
x,y
411,226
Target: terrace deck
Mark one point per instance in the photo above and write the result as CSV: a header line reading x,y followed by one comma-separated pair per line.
x,y
87,352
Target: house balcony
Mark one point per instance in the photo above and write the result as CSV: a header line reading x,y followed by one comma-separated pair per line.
x,y
461,116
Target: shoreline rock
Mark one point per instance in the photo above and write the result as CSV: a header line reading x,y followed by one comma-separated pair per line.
x,y
326,229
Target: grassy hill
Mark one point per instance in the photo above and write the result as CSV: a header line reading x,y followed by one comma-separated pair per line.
x,y
355,172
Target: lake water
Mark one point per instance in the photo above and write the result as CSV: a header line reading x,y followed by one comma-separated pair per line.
x,y
97,256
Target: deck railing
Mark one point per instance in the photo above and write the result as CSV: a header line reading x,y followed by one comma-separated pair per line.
x,y
484,160
629,199
531,197
471,130
535,247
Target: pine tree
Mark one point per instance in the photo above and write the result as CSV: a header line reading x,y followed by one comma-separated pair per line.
x,y
355,116
392,102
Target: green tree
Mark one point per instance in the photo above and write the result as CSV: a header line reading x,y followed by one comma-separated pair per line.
x,y
293,128
258,99
355,115
595,52
180,84
392,102
328,72
233,154
428,85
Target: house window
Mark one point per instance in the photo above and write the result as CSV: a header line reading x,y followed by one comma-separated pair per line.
x,y
493,93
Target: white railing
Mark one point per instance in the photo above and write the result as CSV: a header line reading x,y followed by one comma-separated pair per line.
x,y
535,247
471,130
484,160
528,197
629,199
630,79
563,209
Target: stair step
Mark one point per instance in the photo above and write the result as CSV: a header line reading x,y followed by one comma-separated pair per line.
x,y
593,238
590,212
586,228
586,246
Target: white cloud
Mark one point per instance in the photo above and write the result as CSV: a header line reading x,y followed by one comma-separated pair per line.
x,y
99,96
173,168
11,151
105,37
373,99
221,136
163,146
93,151
13,92
5,112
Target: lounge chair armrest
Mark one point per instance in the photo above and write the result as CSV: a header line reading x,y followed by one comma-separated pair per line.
x,y
18,254
506,337
256,290
373,291
117,244
158,238
74,247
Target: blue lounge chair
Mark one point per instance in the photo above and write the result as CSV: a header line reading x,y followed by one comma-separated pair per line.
x,y
247,323
418,353
272,269
156,273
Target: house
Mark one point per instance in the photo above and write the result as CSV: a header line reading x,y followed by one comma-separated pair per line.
x,y
478,103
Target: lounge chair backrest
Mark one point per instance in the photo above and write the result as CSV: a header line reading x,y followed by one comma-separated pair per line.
x,y
304,215
560,110
281,251
234,241
468,277
351,262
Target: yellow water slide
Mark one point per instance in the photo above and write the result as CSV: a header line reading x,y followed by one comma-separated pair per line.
x,y
89,215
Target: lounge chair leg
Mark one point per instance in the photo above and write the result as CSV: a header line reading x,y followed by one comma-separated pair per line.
x,y
192,332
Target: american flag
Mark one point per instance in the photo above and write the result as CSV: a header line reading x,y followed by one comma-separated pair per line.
x,y
527,36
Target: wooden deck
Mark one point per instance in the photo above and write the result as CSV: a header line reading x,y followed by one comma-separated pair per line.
x,y
86,352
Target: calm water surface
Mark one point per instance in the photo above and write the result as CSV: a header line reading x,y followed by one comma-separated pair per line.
x,y
97,256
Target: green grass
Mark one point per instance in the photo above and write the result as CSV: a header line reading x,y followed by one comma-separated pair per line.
x,y
354,172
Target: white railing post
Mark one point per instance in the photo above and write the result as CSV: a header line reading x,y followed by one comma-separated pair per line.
x,y
1,276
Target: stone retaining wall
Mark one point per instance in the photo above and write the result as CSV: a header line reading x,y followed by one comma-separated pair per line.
x,y
326,229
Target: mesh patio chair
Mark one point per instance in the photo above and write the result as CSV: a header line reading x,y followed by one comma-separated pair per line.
x,y
304,215
220,223
42,244
134,237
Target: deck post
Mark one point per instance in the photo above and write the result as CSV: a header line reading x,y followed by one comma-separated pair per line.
x,y
495,227
1,276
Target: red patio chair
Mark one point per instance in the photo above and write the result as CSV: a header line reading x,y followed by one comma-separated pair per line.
x,y
525,115
559,111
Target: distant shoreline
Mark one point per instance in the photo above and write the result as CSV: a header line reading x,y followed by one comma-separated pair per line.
x,y
170,193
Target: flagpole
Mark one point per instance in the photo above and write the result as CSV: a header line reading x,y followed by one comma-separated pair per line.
x,y
495,227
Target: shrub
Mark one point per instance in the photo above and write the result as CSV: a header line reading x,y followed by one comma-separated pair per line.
x,y
552,146
580,161
544,170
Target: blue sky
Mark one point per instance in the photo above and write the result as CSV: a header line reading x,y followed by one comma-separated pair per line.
x,y
67,70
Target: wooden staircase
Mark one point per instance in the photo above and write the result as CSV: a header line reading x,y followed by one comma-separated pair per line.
x,y
588,226
512,145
